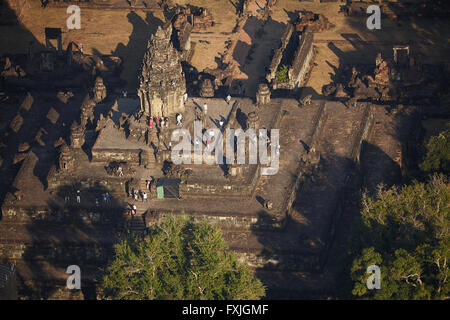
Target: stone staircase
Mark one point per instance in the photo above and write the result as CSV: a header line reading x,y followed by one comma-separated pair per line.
x,y
136,224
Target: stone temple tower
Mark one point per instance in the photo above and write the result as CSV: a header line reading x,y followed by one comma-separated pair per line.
x,y
162,82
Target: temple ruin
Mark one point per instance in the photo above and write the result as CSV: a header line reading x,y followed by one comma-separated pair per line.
x,y
295,52
162,84
81,141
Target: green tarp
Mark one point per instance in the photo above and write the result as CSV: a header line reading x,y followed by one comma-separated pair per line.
x,y
160,192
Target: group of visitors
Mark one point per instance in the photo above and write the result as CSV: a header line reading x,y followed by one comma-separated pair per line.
x,y
139,194
158,122
106,198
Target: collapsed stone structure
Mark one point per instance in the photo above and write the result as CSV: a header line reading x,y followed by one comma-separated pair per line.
x,y
199,18
390,80
162,84
311,21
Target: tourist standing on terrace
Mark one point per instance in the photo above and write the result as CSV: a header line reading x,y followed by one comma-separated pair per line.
x,y
108,197
144,197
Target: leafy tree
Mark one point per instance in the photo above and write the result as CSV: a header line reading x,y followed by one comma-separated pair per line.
x,y
282,74
405,231
437,158
179,259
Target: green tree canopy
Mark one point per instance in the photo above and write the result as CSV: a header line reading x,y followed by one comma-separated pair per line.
x,y
405,231
179,259
282,74
437,158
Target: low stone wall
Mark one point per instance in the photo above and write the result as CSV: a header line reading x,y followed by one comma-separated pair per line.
x,y
85,215
300,65
238,190
276,59
89,252
280,262
107,5
86,212
15,213
131,156
112,184
224,220
302,60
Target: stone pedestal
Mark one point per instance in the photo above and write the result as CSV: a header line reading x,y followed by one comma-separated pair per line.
x,y
99,90
65,158
263,94
236,171
253,120
207,90
76,135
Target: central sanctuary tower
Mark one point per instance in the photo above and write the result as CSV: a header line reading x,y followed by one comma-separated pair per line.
x,y
161,83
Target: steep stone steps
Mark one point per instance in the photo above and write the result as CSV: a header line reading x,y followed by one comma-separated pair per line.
x,y
318,205
381,156
136,224
295,285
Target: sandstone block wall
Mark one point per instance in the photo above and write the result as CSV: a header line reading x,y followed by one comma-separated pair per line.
x,y
130,156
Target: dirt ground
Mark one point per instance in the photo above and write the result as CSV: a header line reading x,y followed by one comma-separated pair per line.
x,y
125,33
